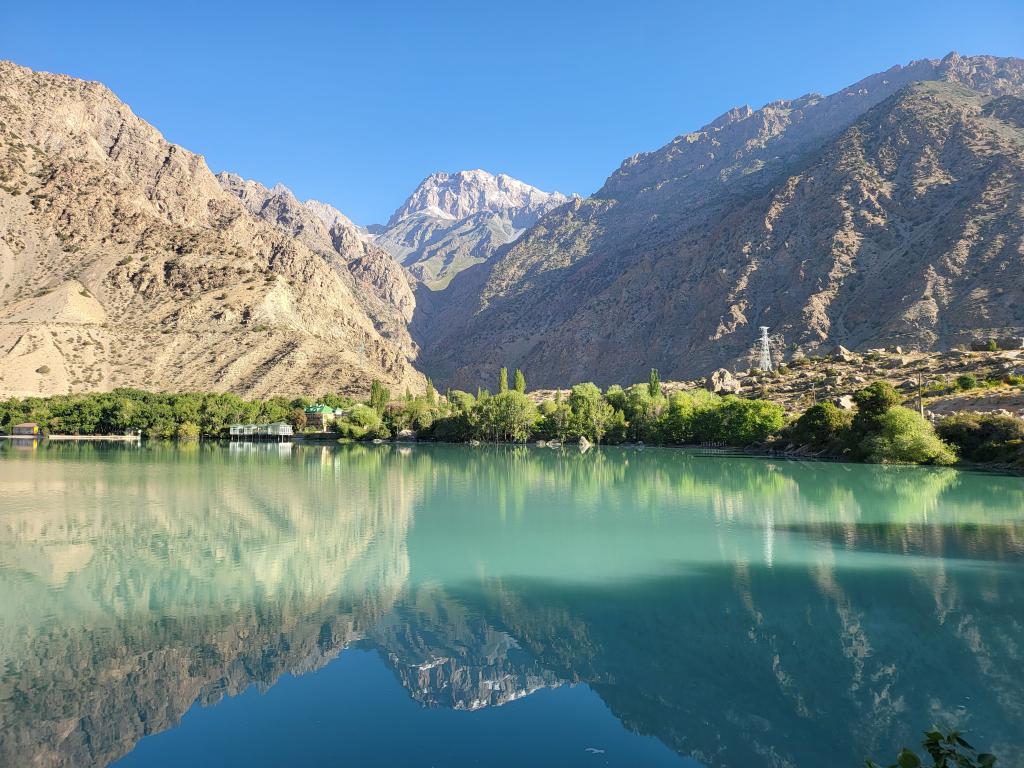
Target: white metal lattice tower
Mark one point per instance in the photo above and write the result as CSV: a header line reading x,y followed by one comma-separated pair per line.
x,y
766,350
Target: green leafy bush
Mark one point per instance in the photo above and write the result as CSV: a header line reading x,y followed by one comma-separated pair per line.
x,y
188,431
966,381
873,402
740,422
362,422
822,426
985,437
686,415
906,437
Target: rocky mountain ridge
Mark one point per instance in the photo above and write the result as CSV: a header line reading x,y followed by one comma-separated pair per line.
x,y
454,220
123,262
887,213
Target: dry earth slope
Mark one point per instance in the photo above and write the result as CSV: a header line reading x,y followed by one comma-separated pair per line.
x,y
124,262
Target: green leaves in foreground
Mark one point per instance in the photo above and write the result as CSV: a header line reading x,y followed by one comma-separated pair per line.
x,y
945,750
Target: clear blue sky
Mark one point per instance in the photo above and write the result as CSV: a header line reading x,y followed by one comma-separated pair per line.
x,y
354,103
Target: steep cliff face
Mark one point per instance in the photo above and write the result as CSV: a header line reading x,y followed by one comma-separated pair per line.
x,y
123,262
887,212
452,221
383,286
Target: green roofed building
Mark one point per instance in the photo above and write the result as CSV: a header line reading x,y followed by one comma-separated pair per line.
x,y
319,416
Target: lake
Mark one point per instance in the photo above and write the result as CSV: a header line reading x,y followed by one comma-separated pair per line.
x,y
435,605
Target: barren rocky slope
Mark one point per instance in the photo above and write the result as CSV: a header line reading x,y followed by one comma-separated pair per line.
x,y
124,262
452,221
889,212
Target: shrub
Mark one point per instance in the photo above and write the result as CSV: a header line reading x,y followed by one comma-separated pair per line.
x,y
188,431
362,423
985,437
824,425
873,402
686,411
905,437
966,381
875,399
742,422
456,428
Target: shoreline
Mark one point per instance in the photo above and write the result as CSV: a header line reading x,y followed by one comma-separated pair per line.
x,y
723,452
78,438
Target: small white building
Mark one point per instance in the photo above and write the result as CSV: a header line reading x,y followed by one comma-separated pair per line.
x,y
278,431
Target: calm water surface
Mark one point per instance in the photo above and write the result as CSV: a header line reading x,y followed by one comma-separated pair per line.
x,y
450,606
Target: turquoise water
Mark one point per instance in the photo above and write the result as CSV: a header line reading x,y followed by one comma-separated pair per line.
x,y
499,606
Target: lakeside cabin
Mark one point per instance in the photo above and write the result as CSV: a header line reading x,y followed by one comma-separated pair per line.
x,y
26,429
319,416
278,432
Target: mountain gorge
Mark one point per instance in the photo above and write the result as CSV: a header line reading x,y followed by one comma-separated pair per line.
x,y
453,221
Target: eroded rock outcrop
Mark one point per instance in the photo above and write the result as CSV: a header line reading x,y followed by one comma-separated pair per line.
x,y
186,288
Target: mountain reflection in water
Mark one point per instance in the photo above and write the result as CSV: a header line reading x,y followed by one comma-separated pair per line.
x,y
743,612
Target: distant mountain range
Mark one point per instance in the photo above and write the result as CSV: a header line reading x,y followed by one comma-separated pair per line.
x,y
455,220
889,212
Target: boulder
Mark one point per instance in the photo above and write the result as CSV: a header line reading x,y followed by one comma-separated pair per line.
x,y
723,382
839,352
584,444
845,402
405,435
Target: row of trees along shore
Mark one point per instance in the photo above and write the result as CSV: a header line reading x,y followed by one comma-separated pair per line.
x,y
880,429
